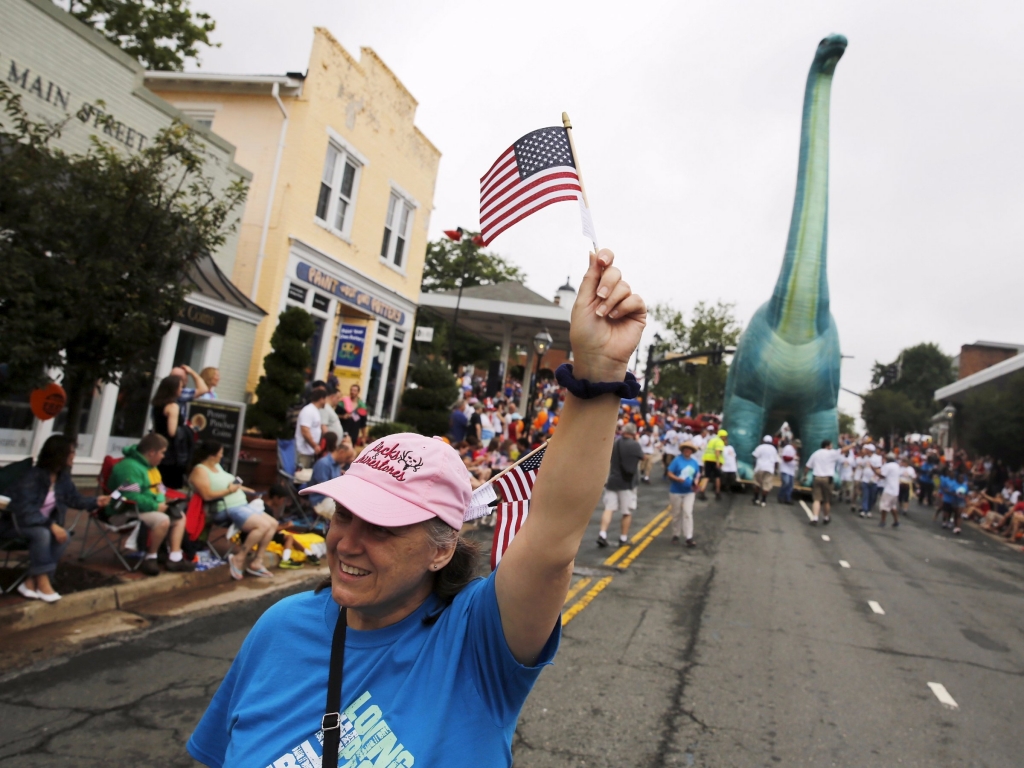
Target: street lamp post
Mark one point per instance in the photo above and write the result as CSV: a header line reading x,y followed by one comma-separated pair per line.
x,y
541,343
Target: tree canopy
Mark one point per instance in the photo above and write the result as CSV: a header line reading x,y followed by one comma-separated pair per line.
x,y
161,34
95,249
711,326
447,264
915,375
990,420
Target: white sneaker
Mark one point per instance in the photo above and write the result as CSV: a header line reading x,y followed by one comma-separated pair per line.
x,y
24,591
52,597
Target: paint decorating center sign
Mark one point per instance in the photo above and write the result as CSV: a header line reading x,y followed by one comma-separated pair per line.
x,y
348,293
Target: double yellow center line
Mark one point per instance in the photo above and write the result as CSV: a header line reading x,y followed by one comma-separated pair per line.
x,y
644,536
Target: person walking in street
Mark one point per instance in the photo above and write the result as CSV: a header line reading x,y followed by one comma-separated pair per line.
x,y
138,478
787,473
846,465
620,490
766,459
36,512
683,474
404,635
908,475
713,458
309,429
730,468
648,445
670,447
926,481
890,500
868,480
822,464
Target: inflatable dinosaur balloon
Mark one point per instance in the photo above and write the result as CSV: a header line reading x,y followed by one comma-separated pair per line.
x,y
786,366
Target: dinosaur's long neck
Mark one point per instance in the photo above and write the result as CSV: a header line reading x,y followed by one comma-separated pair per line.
x,y
798,310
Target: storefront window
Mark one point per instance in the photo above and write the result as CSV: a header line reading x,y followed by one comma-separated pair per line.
x,y
16,423
132,408
394,365
190,350
380,352
314,346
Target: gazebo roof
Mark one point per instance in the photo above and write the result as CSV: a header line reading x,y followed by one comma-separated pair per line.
x,y
486,310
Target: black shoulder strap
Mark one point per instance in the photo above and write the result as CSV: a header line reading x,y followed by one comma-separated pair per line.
x,y
331,722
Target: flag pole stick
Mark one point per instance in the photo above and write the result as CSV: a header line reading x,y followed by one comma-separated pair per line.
x,y
576,159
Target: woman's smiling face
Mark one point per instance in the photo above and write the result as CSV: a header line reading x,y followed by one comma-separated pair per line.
x,y
380,574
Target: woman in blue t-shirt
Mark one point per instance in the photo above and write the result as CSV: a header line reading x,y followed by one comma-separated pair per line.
x,y
684,475
432,664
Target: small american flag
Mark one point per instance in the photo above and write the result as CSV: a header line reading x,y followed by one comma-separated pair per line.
x,y
516,486
533,173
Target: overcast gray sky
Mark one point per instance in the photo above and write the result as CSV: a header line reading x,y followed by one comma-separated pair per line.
x,y
687,120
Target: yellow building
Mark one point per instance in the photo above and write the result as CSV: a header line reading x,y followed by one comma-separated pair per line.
x,y
338,210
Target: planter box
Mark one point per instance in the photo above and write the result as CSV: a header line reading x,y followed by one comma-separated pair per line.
x,y
264,452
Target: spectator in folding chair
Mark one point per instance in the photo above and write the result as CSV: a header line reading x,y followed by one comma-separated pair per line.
x,y
38,507
327,468
213,483
137,478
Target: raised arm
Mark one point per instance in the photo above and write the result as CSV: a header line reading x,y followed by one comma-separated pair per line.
x,y
534,575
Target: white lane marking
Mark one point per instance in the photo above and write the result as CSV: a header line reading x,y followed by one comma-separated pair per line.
x,y
810,515
943,696
844,564
824,537
876,607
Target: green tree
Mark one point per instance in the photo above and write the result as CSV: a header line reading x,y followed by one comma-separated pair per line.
x,y
449,263
847,424
887,412
990,421
426,405
95,248
712,326
916,373
284,374
161,34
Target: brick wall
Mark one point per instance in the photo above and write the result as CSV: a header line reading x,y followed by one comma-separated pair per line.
x,y
977,357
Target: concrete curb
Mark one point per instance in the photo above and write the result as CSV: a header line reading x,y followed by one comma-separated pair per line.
x,y
35,613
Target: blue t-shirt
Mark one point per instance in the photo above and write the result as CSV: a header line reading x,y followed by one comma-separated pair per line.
x,y
445,692
686,469
457,426
325,468
949,487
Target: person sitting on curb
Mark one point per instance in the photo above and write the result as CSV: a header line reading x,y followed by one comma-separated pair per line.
x,y
327,468
39,503
137,478
210,480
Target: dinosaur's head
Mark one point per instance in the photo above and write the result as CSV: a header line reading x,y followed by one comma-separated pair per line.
x,y
830,50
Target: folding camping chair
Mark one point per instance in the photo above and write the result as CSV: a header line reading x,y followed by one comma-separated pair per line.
x,y
9,477
111,535
287,466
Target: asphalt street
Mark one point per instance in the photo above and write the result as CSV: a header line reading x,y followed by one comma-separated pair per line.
x,y
756,648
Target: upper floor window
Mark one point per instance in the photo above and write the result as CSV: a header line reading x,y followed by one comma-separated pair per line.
x,y
396,231
334,206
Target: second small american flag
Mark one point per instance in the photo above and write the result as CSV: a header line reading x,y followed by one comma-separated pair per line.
x,y
516,489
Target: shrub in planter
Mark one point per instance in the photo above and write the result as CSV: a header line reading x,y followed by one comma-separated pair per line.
x,y
284,378
426,405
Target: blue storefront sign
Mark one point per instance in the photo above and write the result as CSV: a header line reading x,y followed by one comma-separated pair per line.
x,y
349,294
351,341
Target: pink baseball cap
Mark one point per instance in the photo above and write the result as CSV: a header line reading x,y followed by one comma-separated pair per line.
x,y
403,479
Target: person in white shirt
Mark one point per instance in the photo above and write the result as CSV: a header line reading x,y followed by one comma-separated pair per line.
x,y
822,464
890,475
907,477
647,443
729,466
858,469
308,429
329,420
765,460
846,465
787,473
870,472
